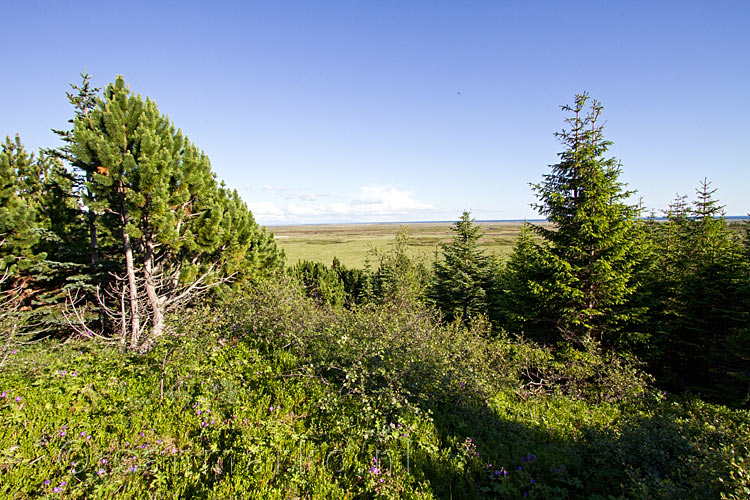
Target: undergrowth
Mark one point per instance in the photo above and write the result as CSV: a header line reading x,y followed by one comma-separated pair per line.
x,y
275,396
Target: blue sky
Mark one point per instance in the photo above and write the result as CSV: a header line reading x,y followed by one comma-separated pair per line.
x,y
342,111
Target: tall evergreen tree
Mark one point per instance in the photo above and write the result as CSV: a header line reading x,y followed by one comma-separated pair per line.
x,y
83,100
180,232
463,277
595,245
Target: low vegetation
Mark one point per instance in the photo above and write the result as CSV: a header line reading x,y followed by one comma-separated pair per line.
x,y
280,397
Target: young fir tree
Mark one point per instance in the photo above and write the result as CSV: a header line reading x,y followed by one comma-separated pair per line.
x,y
38,218
700,307
463,277
593,250
19,238
180,232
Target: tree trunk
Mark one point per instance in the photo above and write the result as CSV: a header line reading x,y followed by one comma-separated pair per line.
x,y
135,318
91,219
157,321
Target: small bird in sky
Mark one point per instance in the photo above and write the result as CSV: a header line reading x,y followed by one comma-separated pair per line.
x,y
459,93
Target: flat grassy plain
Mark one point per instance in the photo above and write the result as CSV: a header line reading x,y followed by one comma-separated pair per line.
x,y
353,244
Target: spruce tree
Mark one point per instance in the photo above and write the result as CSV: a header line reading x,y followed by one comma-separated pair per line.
x,y
180,232
595,245
462,278
701,307
38,219
521,309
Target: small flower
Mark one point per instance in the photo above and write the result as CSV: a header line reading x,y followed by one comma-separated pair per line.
x,y
18,399
62,433
133,468
104,460
47,481
5,393
100,472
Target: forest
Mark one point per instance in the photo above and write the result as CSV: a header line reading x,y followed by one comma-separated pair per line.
x,y
155,343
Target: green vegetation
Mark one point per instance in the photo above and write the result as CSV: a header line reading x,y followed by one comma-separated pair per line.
x,y
352,243
277,396
153,344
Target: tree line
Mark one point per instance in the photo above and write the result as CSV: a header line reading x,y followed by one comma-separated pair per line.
x,y
672,293
125,223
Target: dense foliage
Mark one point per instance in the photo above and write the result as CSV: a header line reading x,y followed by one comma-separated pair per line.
x,y
278,396
463,277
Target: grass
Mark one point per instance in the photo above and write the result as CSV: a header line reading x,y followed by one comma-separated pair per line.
x,y
353,243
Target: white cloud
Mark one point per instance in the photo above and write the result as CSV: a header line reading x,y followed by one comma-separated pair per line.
x,y
385,200
265,210
371,203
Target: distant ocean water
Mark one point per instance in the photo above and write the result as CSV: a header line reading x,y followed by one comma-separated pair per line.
x,y
727,217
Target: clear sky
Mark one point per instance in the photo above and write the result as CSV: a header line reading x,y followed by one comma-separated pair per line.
x,y
328,111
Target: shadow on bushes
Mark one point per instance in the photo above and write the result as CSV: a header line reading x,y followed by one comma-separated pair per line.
x,y
511,419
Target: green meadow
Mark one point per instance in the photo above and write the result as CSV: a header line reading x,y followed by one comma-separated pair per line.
x,y
353,244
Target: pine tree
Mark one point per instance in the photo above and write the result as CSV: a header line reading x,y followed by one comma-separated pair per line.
x,y
180,232
462,278
596,241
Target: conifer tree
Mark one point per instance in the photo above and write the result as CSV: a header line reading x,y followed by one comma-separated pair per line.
x,y
462,278
521,308
701,308
596,241
83,100
18,218
180,232
38,218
